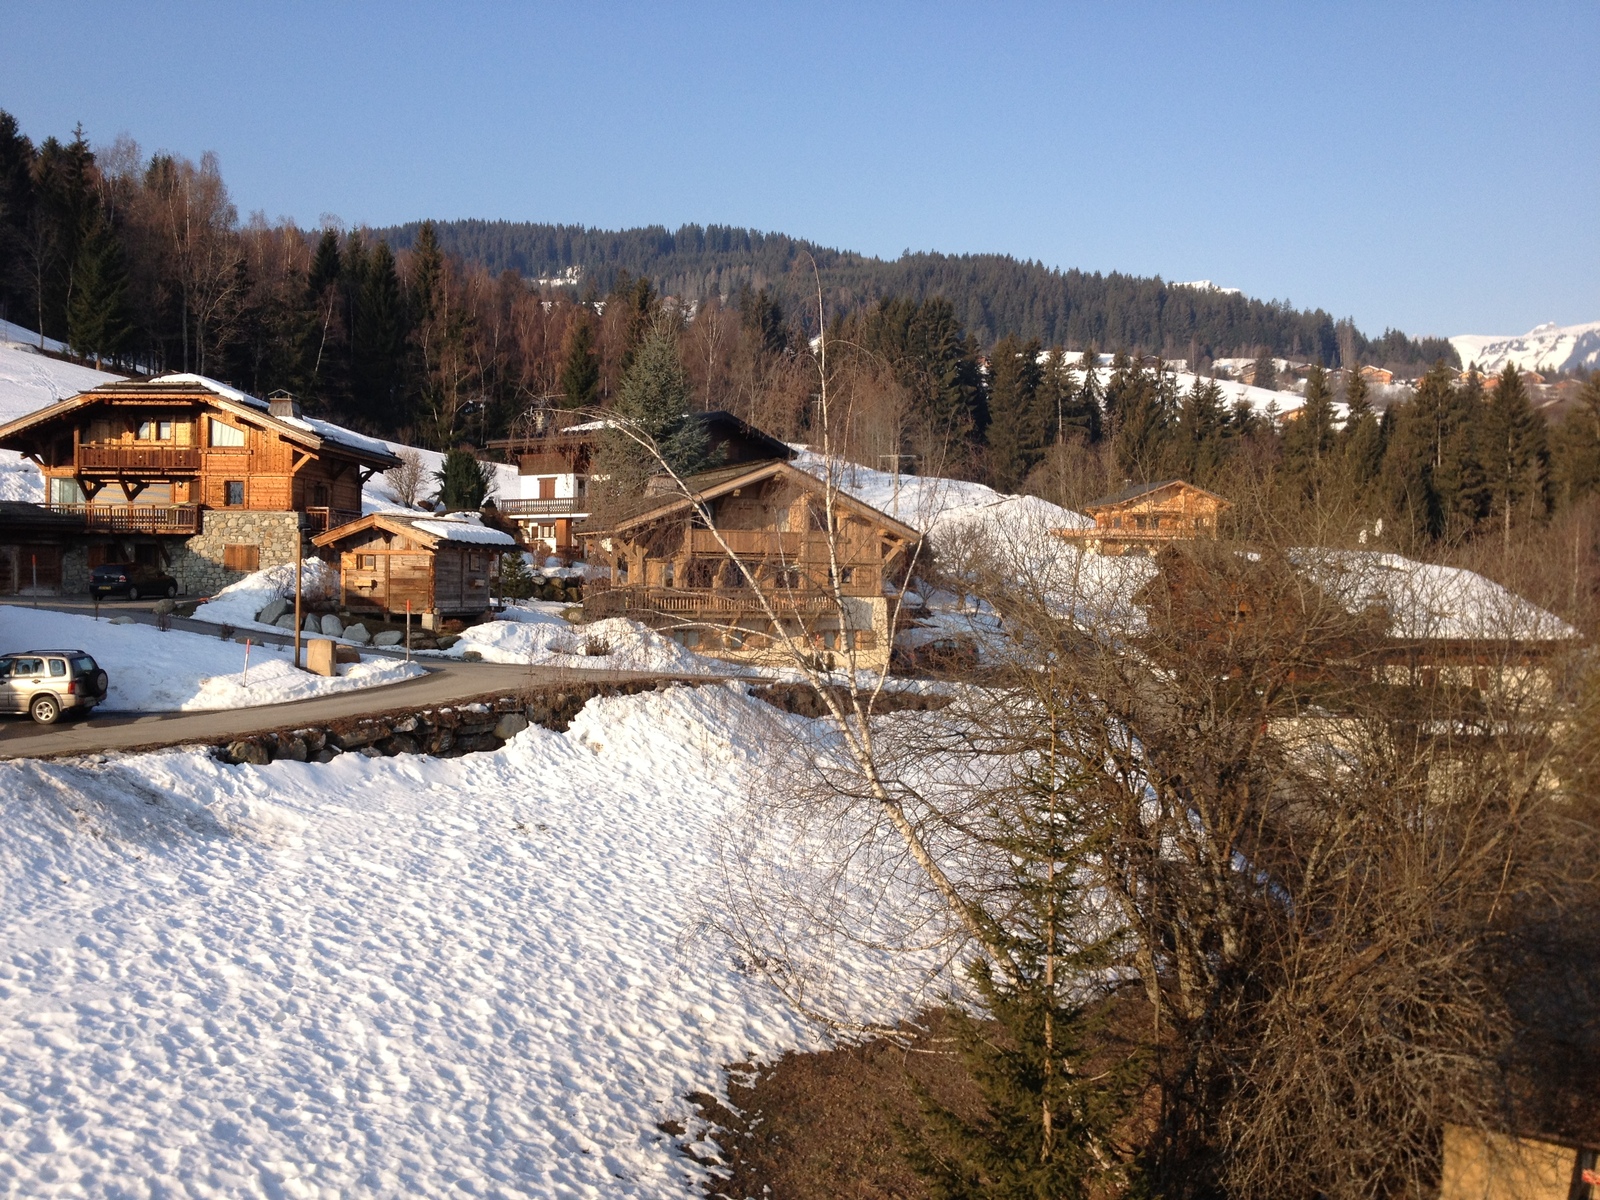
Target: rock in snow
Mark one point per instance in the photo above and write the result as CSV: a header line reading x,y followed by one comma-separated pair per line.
x,y
277,608
331,626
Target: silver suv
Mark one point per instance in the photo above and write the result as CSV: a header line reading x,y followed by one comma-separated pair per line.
x,y
46,683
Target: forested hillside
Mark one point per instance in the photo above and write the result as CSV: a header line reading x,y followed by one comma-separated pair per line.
x,y
993,294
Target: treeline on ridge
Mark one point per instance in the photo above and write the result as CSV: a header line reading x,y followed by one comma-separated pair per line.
x,y
993,294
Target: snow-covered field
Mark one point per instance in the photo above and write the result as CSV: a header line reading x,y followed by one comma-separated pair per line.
x,y
484,976
155,671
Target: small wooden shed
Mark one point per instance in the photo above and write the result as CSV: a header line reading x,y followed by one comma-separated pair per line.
x,y
441,564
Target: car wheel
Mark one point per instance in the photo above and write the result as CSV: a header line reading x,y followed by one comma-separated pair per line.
x,y
101,682
133,593
172,590
45,709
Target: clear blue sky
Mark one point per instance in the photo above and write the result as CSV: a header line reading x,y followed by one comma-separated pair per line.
x,y
1429,167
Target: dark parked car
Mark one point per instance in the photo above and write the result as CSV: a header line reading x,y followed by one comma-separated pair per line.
x,y
132,580
46,683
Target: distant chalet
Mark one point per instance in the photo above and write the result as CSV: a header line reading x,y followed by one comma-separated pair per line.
x,y
1144,517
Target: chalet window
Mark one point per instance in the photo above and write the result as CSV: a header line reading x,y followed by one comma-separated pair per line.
x,y
65,491
786,577
865,639
366,562
547,533
669,573
319,495
474,561
241,558
225,435
1116,522
155,431
233,493
847,576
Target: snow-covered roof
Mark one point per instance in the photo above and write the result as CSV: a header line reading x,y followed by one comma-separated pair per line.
x,y
463,527
326,430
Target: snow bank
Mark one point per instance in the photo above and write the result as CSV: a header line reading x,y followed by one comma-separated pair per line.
x,y
538,635
238,603
152,671
486,976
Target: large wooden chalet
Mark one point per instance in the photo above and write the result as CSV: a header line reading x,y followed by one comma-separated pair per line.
x,y
669,569
1144,517
191,475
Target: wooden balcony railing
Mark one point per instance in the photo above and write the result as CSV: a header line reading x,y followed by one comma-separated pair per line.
x,y
561,506
601,595
160,460
321,519
135,518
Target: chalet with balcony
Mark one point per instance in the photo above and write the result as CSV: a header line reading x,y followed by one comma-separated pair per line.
x,y
190,474
554,456
438,565
1142,518
671,568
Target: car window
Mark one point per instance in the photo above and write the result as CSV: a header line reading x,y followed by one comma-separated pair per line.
x,y
58,668
5,667
28,666
84,665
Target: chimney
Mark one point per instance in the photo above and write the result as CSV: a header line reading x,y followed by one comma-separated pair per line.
x,y
283,404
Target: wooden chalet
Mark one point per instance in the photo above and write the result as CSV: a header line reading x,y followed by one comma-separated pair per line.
x,y
34,543
193,475
669,570
1142,518
554,455
441,565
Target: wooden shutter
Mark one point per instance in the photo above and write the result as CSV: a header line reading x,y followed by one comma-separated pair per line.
x,y
241,558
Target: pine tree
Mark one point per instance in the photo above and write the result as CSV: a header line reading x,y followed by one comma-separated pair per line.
x,y
1265,374
1200,447
1361,440
516,581
762,316
580,367
1047,1125
427,274
1089,410
378,342
1575,448
1309,439
652,401
97,316
326,264
1016,432
1515,451
464,482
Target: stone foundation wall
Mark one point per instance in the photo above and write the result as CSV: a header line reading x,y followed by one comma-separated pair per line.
x,y
197,563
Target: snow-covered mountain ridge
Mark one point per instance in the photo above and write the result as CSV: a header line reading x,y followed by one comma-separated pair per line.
x,y
1549,347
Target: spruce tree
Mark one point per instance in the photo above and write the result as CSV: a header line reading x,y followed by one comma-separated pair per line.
x,y
97,316
652,403
1515,451
516,581
464,482
427,274
326,264
1089,411
1200,448
580,368
378,342
1017,425
1265,374
1046,1125
1309,439
1361,440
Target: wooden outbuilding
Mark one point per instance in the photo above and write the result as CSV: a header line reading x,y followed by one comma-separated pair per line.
x,y
1146,516
440,564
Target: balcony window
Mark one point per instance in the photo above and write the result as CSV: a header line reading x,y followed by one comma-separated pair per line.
x,y
156,431
226,436
233,491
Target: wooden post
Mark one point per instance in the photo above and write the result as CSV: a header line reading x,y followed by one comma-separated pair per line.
x,y
299,566
408,631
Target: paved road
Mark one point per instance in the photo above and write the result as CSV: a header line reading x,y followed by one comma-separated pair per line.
x,y
445,683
